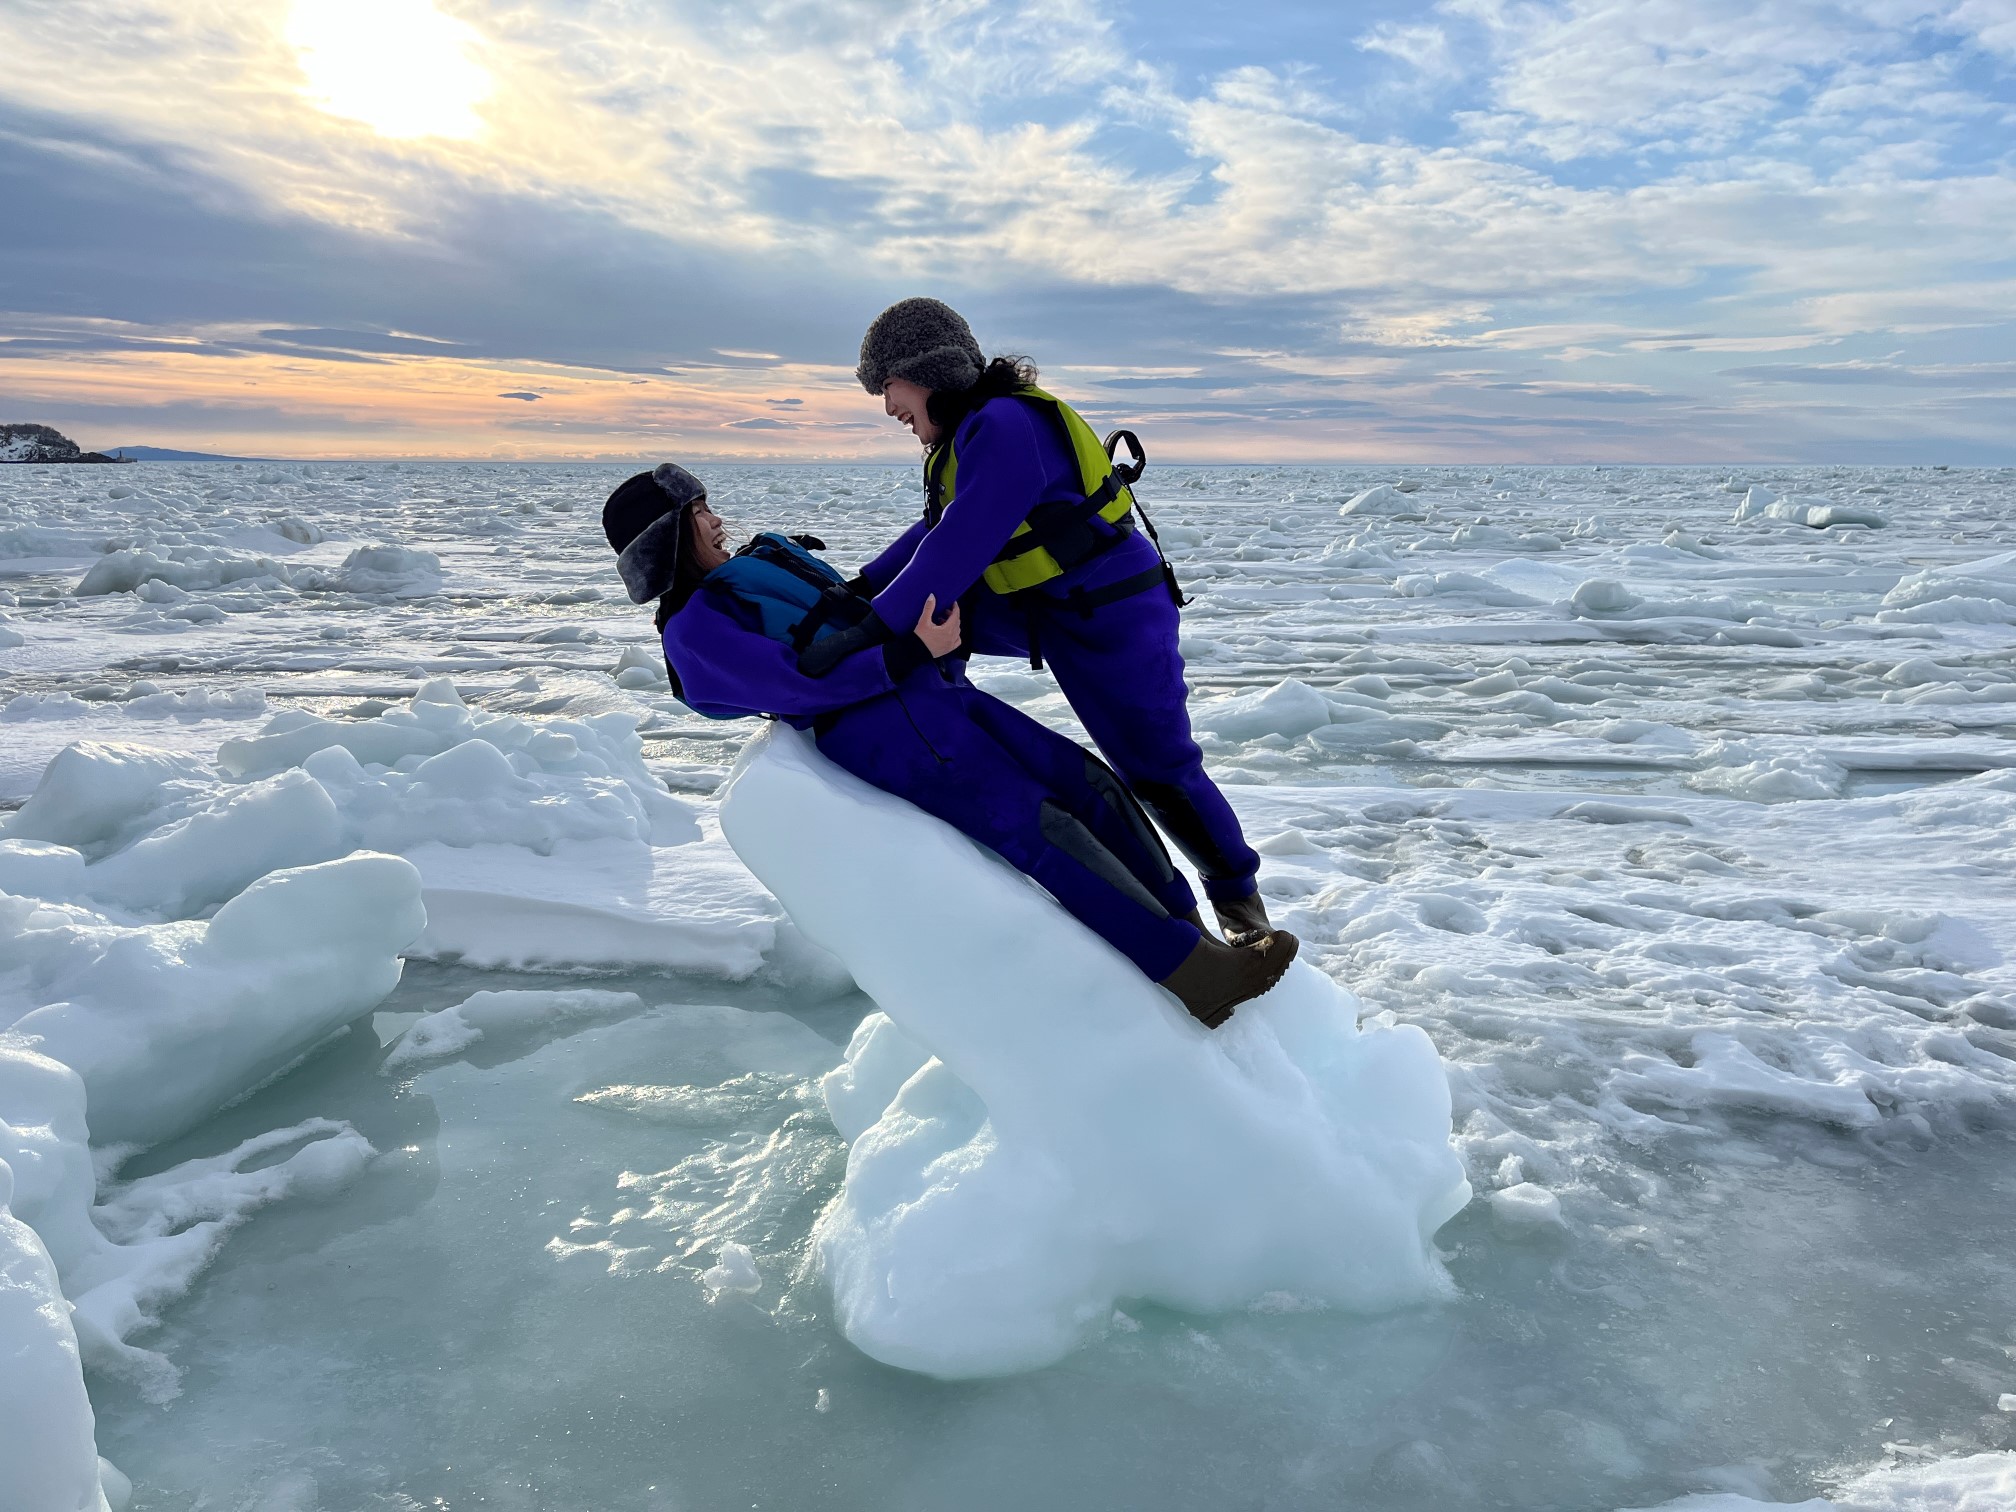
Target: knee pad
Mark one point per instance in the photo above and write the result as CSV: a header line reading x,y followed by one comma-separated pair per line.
x,y
1067,835
1174,811
1114,794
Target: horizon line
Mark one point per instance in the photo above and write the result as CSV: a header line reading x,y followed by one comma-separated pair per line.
x,y
746,461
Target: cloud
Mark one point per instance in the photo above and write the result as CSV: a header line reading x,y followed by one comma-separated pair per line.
x,y
519,394
325,341
1984,377
1914,310
1424,47
1194,381
1583,393
1574,197
1696,77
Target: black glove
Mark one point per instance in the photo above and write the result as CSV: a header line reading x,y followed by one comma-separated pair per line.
x,y
905,655
809,542
826,653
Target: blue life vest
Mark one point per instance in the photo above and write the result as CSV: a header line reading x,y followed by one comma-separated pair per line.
x,y
779,588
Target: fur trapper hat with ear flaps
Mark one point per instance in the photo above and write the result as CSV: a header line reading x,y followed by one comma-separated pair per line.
x,y
645,520
922,341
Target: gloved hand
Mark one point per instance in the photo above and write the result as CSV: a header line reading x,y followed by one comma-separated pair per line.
x,y
826,653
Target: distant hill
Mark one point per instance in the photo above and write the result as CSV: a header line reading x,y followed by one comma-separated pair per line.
x,y
43,443
169,454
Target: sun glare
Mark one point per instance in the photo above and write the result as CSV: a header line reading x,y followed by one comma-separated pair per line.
x,y
399,66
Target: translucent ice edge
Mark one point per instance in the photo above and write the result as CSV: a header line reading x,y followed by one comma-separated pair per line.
x,y
1038,1133
1972,1483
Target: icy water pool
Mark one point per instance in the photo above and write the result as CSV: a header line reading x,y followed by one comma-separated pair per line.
x,y
1690,840
434,1339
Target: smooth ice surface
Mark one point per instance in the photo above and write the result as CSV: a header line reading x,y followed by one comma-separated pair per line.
x,y
1688,841
1063,1135
452,1030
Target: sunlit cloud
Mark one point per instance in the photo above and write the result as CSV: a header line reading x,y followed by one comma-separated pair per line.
x,y
1580,197
399,66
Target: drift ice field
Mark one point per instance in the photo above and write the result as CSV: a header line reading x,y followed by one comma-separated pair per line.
x,y
444,1072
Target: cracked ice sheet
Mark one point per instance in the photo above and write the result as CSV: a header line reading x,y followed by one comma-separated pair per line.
x,y
1607,986
1602,984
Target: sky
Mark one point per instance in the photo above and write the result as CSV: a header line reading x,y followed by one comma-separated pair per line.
x,y
1503,231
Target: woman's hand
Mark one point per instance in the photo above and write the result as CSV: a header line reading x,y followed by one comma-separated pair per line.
x,y
940,638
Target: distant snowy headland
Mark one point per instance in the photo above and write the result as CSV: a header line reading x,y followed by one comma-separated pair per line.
x,y
44,443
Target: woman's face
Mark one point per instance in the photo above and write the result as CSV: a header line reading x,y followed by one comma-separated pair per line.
x,y
906,401
710,537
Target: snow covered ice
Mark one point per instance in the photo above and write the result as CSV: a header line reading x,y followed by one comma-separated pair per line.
x,y
1039,1133
417,1100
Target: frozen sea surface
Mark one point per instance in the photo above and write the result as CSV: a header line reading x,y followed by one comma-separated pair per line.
x,y
1681,819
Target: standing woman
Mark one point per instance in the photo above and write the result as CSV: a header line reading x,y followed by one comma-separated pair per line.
x,y
1027,526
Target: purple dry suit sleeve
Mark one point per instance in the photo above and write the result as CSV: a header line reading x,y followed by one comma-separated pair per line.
x,y
728,671
1010,460
882,571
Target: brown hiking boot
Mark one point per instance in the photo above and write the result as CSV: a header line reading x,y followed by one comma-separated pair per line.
x,y
1214,979
1244,921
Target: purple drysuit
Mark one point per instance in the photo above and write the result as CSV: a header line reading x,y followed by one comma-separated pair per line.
x,y
923,733
1116,663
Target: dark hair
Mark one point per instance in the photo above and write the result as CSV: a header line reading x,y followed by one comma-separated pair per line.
x,y
948,408
686,573
686,576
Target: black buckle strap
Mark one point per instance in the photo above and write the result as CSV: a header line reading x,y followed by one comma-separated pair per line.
x,y
833,602
1064,528
1086,601
797,566
822,656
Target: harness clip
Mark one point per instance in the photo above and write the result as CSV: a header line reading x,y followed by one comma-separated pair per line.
x,y
1128,473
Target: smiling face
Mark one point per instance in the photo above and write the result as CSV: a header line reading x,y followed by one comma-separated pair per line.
x,y
709,536
906,401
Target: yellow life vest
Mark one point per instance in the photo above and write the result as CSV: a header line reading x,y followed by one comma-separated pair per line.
x,y
1058,534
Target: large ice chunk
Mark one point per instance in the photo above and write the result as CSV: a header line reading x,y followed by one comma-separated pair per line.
x,y
1981,592
1384,499
47,1449
1289,709
95,792
1041,1133
167,1022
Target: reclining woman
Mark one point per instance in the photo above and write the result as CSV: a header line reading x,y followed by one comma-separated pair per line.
x,y
763,630
1027,525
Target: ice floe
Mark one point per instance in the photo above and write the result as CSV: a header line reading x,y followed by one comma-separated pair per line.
x,y
1053,1133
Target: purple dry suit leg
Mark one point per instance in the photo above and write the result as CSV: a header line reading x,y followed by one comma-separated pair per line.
x,y
1090,792
1123,675
922,745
